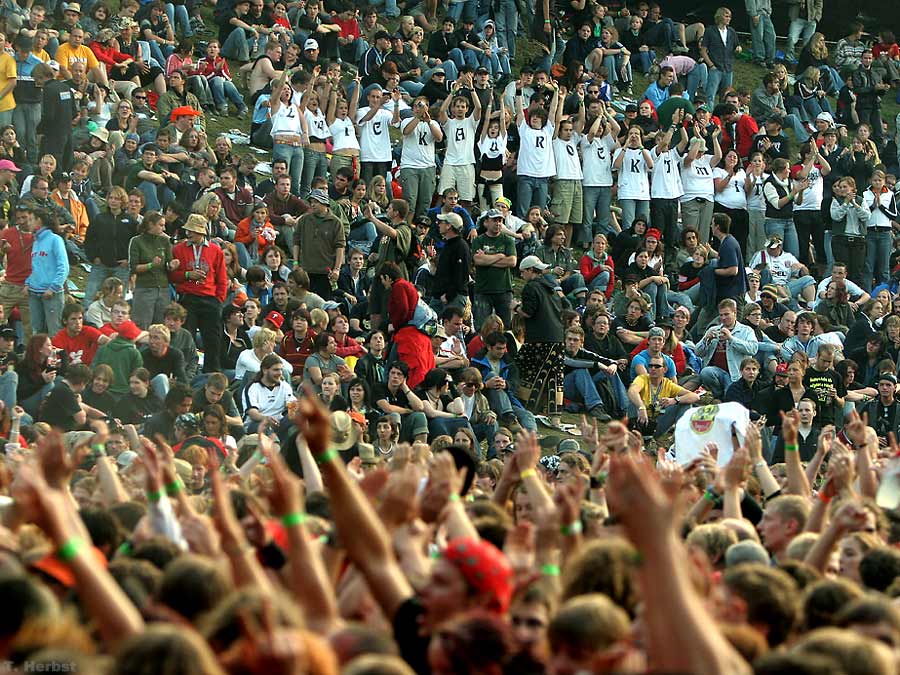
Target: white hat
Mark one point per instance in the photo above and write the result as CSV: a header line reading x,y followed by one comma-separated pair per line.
x,y
825,117
532,262
310,44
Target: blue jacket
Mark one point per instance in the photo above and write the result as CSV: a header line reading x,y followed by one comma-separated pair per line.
x,y
49,263
508,371
743,343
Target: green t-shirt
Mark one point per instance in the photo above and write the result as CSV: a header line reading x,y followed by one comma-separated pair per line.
x,y
493,279
396,249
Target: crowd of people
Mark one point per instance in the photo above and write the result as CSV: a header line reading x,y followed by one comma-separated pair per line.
x,y
289,422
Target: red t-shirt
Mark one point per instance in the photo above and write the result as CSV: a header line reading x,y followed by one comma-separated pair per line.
x,y
18,258
80,348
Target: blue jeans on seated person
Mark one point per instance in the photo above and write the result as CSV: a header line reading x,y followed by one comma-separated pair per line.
x,y
715,380
784,228
599,282
502,405
666,419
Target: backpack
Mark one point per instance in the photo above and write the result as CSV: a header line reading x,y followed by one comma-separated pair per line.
x,y
415,256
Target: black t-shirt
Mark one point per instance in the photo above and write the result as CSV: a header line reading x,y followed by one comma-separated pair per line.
x,y
774,332
132,409
60,407
643,324
817,383
381,392
104,402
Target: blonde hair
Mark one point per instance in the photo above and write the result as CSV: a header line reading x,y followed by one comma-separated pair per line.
x,y
161,330
262,336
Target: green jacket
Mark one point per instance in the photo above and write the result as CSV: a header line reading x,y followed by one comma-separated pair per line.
x,y
123,357
142,249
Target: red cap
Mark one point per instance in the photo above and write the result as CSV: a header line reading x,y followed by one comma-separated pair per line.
x,y
485,569
653,232
276,318
781,369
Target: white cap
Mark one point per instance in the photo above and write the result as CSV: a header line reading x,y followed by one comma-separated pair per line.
x,y
825,117
532,262
310,44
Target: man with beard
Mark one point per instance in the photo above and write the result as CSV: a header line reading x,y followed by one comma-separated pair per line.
x,y
601,341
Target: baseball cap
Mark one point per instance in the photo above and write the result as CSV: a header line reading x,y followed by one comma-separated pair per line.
x,y
773,241
631,107
331,304
825,117
310,44
7,333
656,331
276,318
888,377
454,219
382,35
533,262
776,119
781,369
481,70
493,213
6,165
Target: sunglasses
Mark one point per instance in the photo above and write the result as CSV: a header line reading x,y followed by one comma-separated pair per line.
x,y
140,98
470,384
656,365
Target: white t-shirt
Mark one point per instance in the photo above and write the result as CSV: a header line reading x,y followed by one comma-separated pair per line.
x,y
666,176
597,160
375,143
697,179
710,424
812,195
755,200
732,197
286,120
493,147
460,136
779,266
634,181
565,154
318,126
270,402
536,151
343,135
418,147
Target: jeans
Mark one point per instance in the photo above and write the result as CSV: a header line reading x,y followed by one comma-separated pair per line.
x,y
661,35
498,65
315,165
756,236
666,419
837,82
418,188
799,28
715,380
716,80
9,383
492,303
46,313
811,107
808,224
796,286
294,156
179,13
155,196
446,426
878,256
697,79
506,16
237,46
632,208
645,60
32,404
580,387
502,405
659,301
162,53
601,282
664,217
572,282
160,385
786,229
412,87
616,65
220,88
597,201
460,9
99,274
26,117
763,36
531,191
363,236
829,253
453,63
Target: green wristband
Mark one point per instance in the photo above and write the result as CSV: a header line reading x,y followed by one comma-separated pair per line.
x,y
453,497
154,496
791,447
174,487
70,549
709,495
571,529
550,570
291,519
327,456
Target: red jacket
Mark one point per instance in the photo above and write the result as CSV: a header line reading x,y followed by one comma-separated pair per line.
x,y
211,259
107,55
402,303
296,354
590,268
747,128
